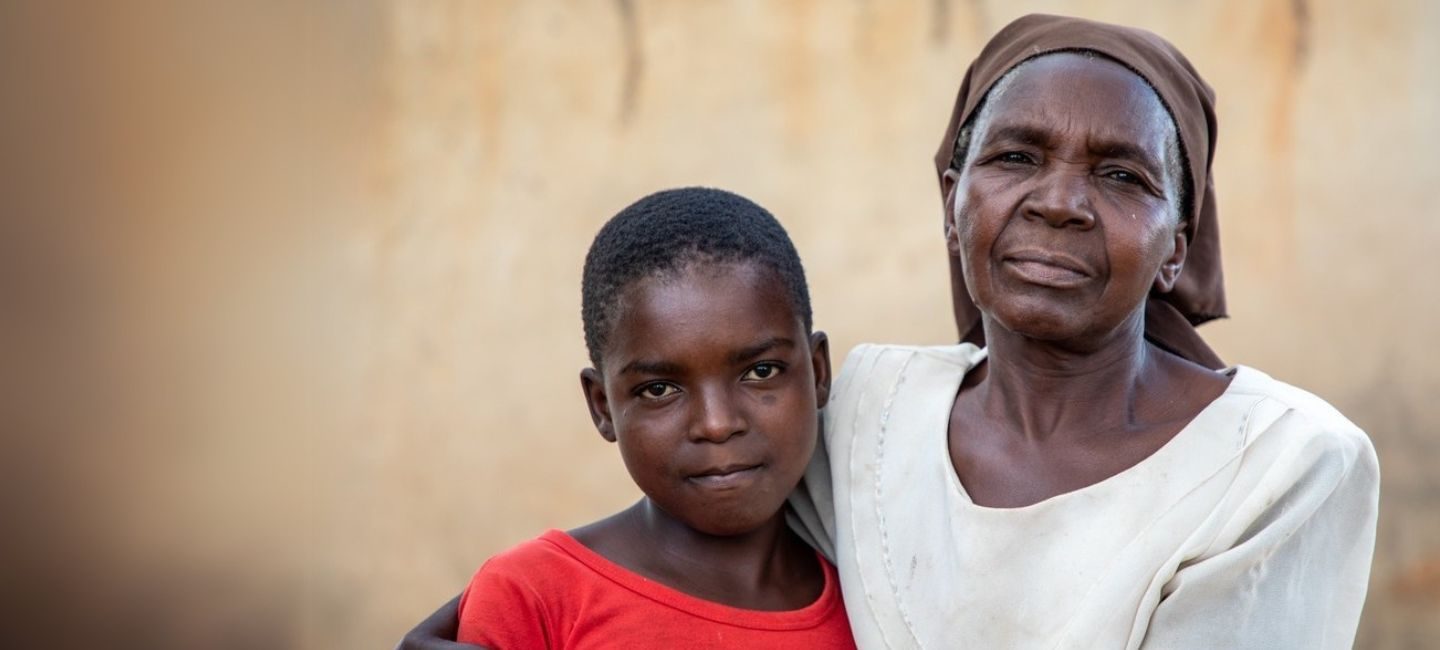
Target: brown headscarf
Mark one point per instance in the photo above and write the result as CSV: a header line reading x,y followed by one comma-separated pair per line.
x,y
1199,294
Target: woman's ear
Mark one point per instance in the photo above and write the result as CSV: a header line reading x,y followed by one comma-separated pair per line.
x,y
949,183
1170,269
820,364
593,385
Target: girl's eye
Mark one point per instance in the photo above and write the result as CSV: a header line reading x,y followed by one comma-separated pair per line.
x,y
657,390
761,372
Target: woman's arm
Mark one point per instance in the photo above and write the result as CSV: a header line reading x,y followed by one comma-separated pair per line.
x,y
437,631
1293,562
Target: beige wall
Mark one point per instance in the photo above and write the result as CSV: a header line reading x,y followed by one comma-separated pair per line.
x,y
344,341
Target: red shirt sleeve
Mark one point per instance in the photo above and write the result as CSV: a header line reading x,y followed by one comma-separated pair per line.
x,y
501,610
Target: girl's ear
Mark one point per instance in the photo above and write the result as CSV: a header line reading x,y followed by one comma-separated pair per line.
x,y
593,385
1171,267
820,364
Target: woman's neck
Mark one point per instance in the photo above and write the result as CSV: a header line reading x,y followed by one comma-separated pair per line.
x,y
1040,388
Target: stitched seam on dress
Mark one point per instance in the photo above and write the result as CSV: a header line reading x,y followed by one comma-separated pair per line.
x,y
880,511
1245,423
1244,430
867,365
1270,551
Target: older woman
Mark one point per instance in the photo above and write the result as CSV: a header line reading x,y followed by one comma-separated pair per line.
x,y
1093,477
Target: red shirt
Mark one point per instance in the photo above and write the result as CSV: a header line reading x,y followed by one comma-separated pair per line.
x,y
553,592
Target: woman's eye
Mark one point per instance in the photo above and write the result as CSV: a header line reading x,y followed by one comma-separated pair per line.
x,y
657,390
1124,177
761,372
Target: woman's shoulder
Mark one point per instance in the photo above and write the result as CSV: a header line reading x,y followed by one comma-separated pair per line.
x,y
872,368
908,382
1284,414
959,357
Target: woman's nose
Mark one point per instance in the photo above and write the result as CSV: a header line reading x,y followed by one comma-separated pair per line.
x,y
1061,198
718,416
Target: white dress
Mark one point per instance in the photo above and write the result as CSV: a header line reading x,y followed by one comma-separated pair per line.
x,y
1252,528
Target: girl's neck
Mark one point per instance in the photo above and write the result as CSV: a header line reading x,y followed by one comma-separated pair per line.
x,y
768,568
751,557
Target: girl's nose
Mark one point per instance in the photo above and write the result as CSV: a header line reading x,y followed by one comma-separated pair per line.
x,y
718,416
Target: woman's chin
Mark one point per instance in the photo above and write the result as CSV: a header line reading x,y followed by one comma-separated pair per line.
x,y
1040,324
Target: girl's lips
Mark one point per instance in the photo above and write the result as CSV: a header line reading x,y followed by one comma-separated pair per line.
x,y
727,478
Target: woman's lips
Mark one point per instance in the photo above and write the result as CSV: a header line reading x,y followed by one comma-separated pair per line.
x,y
727,478
1047,269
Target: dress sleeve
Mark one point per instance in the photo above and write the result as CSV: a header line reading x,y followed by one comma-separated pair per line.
x,y
1289,565
812,504
502,611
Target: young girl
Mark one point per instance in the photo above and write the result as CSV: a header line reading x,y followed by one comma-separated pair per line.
x,y
707,375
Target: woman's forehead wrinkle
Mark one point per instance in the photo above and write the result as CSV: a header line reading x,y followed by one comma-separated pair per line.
x,y
1144,136
1030,116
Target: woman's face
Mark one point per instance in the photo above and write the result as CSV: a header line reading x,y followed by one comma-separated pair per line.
x,y
1065,214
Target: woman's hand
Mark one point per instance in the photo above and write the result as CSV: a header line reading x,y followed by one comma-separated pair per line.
x,y
437,631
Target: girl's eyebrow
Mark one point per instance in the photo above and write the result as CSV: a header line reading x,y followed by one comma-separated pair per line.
x,y
643,367
750,352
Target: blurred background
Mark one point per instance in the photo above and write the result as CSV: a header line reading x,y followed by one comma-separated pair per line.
x,y
289,292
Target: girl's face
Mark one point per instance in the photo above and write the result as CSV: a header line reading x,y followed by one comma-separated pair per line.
x,y
1064,216
711,388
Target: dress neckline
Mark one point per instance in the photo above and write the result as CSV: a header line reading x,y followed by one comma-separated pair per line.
x,y
1177,444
